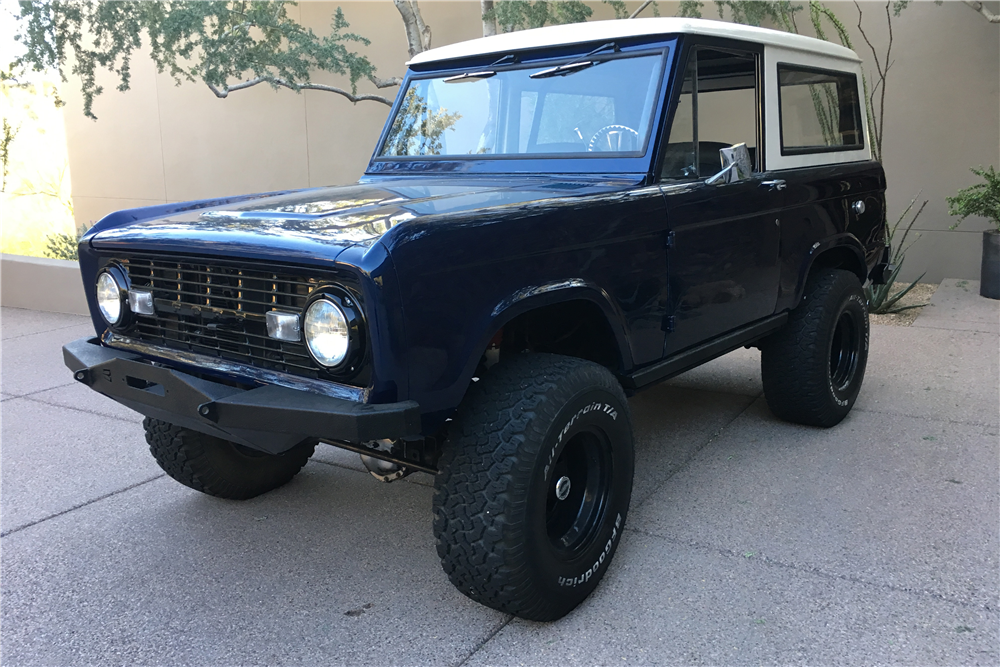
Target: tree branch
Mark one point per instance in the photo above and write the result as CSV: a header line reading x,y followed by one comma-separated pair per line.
x,y
418,35
981,8
878,125
489,18
647,3
385,83
223,93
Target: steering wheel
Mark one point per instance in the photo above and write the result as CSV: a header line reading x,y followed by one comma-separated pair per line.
x,y
614,139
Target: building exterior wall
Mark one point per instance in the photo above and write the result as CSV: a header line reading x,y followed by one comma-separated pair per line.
x,y
163,143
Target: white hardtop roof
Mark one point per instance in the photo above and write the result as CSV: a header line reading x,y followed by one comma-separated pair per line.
x,y
595,31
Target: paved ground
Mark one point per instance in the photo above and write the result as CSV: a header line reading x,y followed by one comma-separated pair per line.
x,y
750,540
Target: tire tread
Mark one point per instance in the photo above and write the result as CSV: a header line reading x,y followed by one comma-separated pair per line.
x,y
493,442
794,360
213,466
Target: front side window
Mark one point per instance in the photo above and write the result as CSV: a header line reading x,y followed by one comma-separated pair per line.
x,y
604,108
820,111
717,108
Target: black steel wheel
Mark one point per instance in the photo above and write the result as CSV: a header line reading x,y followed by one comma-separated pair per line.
x,y
813,368
845,350
579,490
534,485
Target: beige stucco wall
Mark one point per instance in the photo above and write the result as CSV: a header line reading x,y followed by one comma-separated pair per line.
x,y
163,143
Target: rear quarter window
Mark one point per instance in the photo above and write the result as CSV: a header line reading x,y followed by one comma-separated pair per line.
x,y
820,110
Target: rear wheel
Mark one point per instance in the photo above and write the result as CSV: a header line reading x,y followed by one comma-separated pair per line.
x,y
534,485
812,369
219,467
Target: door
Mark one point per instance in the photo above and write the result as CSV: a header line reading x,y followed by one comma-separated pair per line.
x,y
722,251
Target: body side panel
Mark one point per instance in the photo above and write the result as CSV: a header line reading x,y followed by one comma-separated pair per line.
x,y
818,215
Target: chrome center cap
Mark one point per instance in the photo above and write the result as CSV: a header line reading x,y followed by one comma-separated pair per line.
x,y
562,488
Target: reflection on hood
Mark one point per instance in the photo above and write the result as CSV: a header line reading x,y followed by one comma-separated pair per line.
x,y
303,222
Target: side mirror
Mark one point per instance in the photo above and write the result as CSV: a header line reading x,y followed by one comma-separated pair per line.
x,y
735,165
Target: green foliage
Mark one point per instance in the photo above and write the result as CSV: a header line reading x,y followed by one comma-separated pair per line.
x,y
879,298
690,9
512,15
214,42
979,199
63,245
621,11
9,133
817,12
753,12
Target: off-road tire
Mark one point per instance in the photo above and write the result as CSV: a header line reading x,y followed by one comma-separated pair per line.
x,y
503,537
812,369
219,467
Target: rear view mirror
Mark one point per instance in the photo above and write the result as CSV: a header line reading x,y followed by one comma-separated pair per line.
x,y
735,165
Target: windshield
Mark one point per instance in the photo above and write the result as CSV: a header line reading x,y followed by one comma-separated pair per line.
x,y
604,107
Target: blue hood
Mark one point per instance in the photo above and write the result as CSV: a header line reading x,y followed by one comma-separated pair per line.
x,y
320,223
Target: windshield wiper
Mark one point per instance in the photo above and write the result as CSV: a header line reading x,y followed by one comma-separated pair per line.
x,y
509,59
575,66
468,76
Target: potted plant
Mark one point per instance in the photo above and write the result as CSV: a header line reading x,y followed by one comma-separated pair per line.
x,y
983,199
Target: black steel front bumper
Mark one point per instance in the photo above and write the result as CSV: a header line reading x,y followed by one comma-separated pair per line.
x,y
269,418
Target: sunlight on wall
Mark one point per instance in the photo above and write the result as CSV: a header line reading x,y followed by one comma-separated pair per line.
x,y
36,198
35,193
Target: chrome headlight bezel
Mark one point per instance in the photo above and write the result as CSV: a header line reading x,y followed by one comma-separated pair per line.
x,y
120,279
346,305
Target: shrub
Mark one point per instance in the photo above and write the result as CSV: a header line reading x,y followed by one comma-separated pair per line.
x,y
63,245
979,199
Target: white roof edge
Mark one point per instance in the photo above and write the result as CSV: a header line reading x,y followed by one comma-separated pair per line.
x,y
573,33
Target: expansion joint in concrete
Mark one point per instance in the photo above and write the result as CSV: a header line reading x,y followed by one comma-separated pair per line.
x,y
806,569
83,504
486,640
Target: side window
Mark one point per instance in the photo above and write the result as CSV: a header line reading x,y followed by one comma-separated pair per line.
x,y
820,111
717,108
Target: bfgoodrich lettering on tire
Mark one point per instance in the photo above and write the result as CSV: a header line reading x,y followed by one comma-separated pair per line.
x,y
813,368
534,485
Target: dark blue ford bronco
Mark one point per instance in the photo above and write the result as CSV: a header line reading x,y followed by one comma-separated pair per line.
x,y
552,220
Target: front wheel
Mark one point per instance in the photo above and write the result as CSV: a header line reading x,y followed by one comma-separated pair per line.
x,y
812,369
534,485
219,467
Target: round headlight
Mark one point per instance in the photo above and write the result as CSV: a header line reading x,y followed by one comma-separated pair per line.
x,y
327,332
109,297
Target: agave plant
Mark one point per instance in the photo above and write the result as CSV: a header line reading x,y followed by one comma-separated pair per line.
x,y
879,298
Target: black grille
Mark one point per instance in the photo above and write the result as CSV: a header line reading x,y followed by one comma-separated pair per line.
x,y
217,308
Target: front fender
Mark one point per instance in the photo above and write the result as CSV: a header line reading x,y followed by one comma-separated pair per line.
x,y
440,399
531,298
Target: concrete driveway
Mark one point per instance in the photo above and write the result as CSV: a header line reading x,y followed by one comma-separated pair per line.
x,y
750,540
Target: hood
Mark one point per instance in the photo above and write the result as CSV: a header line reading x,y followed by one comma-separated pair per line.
x,y
320,223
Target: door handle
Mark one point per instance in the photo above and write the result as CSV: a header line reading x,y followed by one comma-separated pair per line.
x,y
774,185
